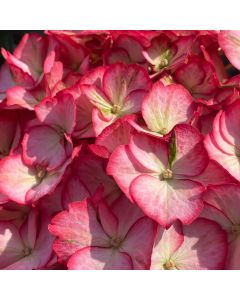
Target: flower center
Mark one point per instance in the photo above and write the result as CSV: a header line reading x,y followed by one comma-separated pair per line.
x,y
169,265
167,174
163,131
40,174
27,251
115,242
115,109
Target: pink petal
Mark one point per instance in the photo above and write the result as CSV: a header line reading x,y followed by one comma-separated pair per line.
x,y
120,80
31,51
11,245
166,106
77,228
198,77
150,152
138,243
127,214
165,201
167,242
96,258
225,197
48,183
74,190
124,168
229,162
133,102
108,220
59,112
91,170
116,134
214,174
204,247
191,157
132,46
97,97
21,97
42,145
229,41
117,55
16,178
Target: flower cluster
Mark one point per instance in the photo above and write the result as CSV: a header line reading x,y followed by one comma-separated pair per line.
x,y
120,150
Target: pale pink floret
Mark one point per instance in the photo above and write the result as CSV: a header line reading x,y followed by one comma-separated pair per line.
x,y
201,245
111,241
166,106
152,173
229,41
224,208
26,247
223,143
118,92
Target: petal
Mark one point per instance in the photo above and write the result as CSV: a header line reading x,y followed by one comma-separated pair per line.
x,y
229,124
229,41
214,174
191,157
74,190
225,197
16,179
229,162
48,183
166,106
31,51
124,168
116,134
96,258
97,97
120,80
108,220
42,145
133,102
91,170
167,242
127,214
204,247
77,228
150,152
11,245
138,243
59,112
168,200
21,97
